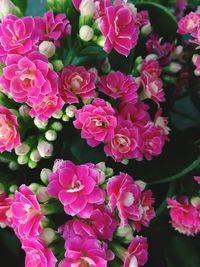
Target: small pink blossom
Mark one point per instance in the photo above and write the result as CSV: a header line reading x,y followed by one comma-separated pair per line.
x,y
9,136
26,213
5,215
97,122
180,7
143,18
76,82
17,35
137,252
29,78
120,29
76,187
124,194
38,254
184,217
197,179
125,143
189,23
53,27
45,109
119,86
162,122
85,252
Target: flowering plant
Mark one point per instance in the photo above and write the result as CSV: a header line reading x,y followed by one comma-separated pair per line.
x,y
99,123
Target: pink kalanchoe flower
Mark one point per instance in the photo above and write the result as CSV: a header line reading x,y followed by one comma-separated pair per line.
x,y
137,113
197,179
46,108
137,252
29,78
26,213
162,122
5,214
76,82
189,23
38,254
184,217
180,7
9,136
97,122
143,18
124,194
85,252
120,29
17,35
152,67
52,28
125,143
119,86
76,187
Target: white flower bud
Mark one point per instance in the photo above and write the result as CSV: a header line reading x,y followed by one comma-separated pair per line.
x,y
151,56
35,155
45,149
51,135
22,149
146,29
44,175
175,67
22,159
195,201
125,232
34,187
13,188
40,124
42,194
70,111
32,164
57,126
6,8
13,166
48,235
87,8
141,184
24,111
58,65
47,49
179,50
58,114
125,161
86,33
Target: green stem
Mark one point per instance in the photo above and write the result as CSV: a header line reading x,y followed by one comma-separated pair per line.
x,y
185,171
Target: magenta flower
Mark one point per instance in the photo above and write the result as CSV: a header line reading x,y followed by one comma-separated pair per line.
x,y
197,179
37,254
180,7
184,217
9,136
97,122
125,143
17,35
118,85
189,23
26,213
137,252
85,252
29,78
5,215
76,187
53,28
143,18
76,82
46,108
124,194
120,29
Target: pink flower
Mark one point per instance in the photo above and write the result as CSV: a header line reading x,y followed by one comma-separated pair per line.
x,y
97,122
184,217
147,212
137,113
37,254
76,187
53,28
180,7
17,35
124,194
197,179
85,252
125,143
120,29
76,82
189,23
46,108
29,78
162,122
118,85
137,252
9,136
5,216
143,18
151,67
26,215
196,61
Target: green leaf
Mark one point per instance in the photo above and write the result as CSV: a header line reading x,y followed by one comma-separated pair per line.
x,y
163,21
22,4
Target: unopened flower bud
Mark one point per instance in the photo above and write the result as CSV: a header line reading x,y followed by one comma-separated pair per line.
x,y
125,161
51,135
70,111
57,126
44,175
65,118
179,50
146,29
141,184
175,67
151,56
195,201
47,49
22,149
58,114
42,194
34,187
48,235
32,164
6,8
13,188
87,101
2,188
24,111
45,149
35,155
57,65
13,166
22,159
40,124
132,7
125,232
87,8
86,33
